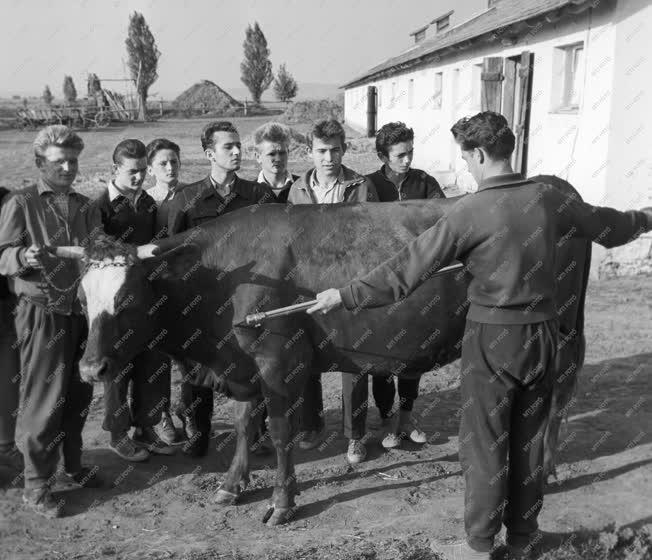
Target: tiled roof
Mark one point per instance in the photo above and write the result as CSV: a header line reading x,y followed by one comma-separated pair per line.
x,y
499,16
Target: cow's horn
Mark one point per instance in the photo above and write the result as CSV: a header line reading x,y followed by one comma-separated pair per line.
x,y
68,252
147,251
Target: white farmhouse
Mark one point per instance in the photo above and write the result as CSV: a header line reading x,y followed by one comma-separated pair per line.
x,y
573,77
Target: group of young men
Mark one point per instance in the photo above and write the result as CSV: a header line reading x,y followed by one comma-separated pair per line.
x,y
44,327
508,350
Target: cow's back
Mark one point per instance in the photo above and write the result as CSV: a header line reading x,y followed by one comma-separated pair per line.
x,y
276,255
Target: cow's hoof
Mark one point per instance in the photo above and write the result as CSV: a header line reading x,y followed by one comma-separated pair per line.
x,y
277,516
226,498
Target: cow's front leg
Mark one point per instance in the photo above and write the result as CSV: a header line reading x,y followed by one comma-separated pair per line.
x,y
283,427
237,477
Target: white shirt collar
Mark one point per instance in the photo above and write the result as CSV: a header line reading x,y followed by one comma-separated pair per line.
x,y
288,179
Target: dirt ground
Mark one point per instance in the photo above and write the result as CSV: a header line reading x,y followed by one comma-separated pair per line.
x,y
394,504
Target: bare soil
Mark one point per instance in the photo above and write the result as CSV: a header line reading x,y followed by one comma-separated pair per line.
x,y
395,504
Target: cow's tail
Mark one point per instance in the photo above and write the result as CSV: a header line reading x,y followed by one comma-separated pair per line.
x,y
570,359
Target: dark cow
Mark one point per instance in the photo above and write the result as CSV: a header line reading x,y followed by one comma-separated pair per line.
x,y
188,294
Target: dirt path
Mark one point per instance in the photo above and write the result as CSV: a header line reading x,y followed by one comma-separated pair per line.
x,y
392,505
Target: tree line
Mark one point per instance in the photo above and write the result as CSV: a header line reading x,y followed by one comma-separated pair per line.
x,y
143,56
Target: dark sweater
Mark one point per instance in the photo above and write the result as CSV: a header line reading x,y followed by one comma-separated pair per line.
x,y
121,220
507,236
200,202
417,184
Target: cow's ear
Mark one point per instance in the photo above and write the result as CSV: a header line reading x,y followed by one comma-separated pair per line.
x,y
173,264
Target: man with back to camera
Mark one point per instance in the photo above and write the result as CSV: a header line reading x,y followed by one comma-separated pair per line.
x,y
330,182
50,324
510,341
397,180
129,214
220,192
272,142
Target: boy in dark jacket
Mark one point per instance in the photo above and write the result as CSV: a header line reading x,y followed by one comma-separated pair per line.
x,y
129,214
222,191
510,342
397,180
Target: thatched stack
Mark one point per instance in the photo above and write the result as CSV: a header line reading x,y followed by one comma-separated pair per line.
x,y
206,97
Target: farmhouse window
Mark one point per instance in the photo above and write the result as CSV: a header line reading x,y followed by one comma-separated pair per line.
x,y
436,96
569,75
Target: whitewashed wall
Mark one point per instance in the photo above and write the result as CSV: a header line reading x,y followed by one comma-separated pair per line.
x,y
628,166
568,145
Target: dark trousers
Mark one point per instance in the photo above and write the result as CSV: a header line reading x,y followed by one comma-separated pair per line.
x,y
197,403
149,374
196,399
54,401
355,391
9,375
384,391
506,385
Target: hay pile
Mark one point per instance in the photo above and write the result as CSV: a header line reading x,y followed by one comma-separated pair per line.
x,y
206,98
313,111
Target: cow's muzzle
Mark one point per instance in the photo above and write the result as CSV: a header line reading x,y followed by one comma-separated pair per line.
x,y
93,371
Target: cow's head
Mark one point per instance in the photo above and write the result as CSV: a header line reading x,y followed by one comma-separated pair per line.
x,y
119,299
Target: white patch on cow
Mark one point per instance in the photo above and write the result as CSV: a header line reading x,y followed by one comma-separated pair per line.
x,y
101,285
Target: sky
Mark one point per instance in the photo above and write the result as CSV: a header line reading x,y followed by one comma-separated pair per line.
x,y
321,41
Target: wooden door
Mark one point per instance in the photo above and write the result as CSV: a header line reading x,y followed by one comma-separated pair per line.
x,y
492,77
523,103
372,110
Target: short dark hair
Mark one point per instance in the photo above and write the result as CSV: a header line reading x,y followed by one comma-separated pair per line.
x,y
212,128
487,130
390,134
161,144
329,128
129,149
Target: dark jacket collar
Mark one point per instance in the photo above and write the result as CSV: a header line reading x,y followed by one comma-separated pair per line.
x,y
239,188
506,180
381,174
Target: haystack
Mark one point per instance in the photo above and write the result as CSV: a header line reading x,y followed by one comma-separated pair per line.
x,y
205,97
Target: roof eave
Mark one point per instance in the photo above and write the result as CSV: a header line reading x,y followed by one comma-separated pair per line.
x,y
511,31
